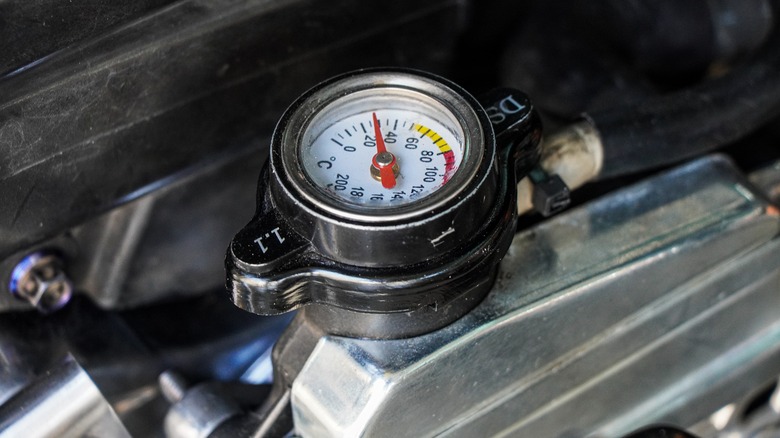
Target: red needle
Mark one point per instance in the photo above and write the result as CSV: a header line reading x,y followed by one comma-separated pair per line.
x,y
385,170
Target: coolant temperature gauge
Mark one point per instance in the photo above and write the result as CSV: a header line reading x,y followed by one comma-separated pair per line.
x,y
387,203
380,147
383,149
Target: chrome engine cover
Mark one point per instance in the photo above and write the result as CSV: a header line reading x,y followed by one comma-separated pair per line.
x,y
657,303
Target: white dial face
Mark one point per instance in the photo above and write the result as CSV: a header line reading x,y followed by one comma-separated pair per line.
x,y
382,149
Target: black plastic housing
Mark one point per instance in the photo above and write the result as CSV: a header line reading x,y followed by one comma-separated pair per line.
x,y
373,273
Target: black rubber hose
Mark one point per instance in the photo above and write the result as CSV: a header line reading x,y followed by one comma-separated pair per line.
x,y
666,129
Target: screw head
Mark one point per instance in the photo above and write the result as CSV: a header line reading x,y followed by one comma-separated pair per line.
x,y
40,279
382,160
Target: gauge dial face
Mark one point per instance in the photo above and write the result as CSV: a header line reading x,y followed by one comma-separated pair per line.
x,y
382,148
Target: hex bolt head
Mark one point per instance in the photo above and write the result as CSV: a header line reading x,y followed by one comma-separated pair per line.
x,y
40,279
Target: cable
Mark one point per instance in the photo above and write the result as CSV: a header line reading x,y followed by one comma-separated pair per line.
x,y
666,129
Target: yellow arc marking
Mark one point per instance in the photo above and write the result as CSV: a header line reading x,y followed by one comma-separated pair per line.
x,y
437,139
